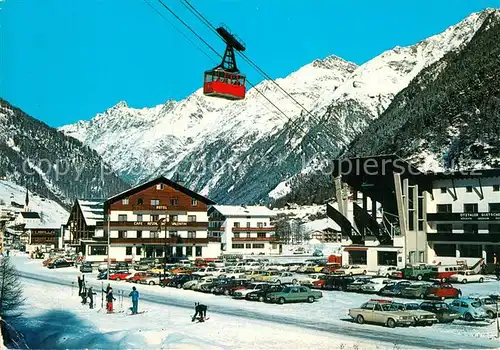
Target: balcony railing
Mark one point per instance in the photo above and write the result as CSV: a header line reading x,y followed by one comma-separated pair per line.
x,y
252,239
492,237
484,216
253,229
171,225
162,241
161,208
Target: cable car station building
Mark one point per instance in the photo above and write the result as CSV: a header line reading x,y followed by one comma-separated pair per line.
x,y
398,215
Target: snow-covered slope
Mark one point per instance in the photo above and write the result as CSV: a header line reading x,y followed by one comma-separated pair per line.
x,y
241,151
50,211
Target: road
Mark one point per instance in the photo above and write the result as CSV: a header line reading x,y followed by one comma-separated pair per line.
x,y
420,338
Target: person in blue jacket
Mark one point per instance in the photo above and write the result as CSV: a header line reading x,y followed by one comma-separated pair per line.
x,y
135,300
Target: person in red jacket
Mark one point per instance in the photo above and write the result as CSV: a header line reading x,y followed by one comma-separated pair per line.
x,y
109,300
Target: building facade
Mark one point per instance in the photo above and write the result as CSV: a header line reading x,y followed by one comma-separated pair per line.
x,y
42,236
84,224
152,219
244,230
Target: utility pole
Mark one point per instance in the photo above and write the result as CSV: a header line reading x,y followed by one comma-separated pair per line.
x,y
109,240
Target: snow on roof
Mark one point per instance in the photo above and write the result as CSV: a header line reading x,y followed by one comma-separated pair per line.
x,y
92,211
237,210
30,215
42,226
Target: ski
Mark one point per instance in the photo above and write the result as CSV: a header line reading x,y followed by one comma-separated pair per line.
x,y
115,312
140,312
198,320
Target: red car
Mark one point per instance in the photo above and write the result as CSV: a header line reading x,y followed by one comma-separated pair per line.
x,y
138,276
443,291
118,276
319,284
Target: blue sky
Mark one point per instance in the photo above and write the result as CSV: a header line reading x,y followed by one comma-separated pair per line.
x,y
66,60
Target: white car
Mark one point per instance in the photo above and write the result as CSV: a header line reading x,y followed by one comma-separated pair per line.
x,y
386,271
242,293
253,266
309,279
351,270
374,285
466,276
190,284
234,273
295,267
285,277
202,281
205,271
151,280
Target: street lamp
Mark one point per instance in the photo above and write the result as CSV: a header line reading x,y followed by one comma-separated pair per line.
x,y
163,220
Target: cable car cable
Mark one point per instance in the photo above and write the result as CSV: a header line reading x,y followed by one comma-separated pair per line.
x,y
203,19
218,54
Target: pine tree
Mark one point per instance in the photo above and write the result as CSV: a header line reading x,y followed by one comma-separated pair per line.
x,y
11,291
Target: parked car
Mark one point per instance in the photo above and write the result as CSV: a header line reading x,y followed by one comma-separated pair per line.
x,y
285,277
489,305
337,282
309,279
351,270
60,263
151,279
194,279
136,277
86,267
141,266
416,290
419,272
210,287
226,288
267,275
442,310
260,295
357,284
466,276
394,289
374,285
386,271
119,275
294,294
444,272
469,309
382,313
443,291
422,317
179,282
254,275
242,293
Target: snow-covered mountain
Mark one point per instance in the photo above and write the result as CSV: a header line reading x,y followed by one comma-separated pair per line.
x,y
243,151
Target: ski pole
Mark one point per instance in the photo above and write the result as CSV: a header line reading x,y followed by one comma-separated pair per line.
x,y
102,295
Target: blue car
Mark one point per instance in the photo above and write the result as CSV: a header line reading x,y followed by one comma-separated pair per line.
x,y
394,289
469,309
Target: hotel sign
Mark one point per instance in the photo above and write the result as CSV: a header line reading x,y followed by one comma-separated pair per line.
x,y
463,217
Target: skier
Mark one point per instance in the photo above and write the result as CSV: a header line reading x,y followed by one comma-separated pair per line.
x,y
108,288
80,282
109,300
83,293
135,300
200,310
497,271
90,294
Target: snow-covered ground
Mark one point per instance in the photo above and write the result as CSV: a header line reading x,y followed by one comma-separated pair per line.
x,y
49,210
233,324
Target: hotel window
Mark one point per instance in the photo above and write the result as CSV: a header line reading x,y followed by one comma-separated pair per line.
x,y
198,251
189,251
258,246
248,246
174,218
194,202
122,234
139,218
494,207
444,189
173,233
174,201
125,201
470,208
122,217
98,250
138,250
191,218
445,249
471,228
470,250
140,201
468,188
155,202
139,234
236,224
155,217
154,234
444,228
496,188
443,208
494,229
191,234
160,186
248,224
236,235
248,234
260,225
261,235
128,250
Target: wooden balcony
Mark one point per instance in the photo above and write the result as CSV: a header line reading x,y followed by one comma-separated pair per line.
x,y
253,229
145,208
161,241
252,239
171,225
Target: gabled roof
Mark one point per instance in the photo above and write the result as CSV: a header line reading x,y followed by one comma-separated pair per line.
x,y
156,181
244,211
30,215
92,210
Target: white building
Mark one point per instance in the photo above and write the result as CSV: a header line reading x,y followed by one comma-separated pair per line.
x,y
243,230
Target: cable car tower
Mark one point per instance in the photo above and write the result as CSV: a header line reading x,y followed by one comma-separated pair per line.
x,y
225,80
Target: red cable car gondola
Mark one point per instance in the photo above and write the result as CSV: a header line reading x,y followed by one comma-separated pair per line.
x,y
225,80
